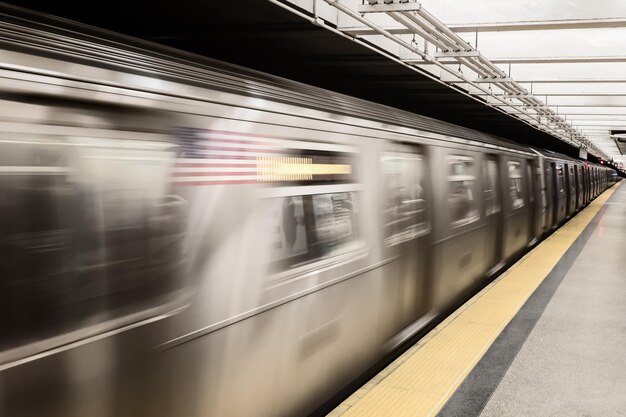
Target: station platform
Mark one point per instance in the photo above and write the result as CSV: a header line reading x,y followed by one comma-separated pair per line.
x,y
545,338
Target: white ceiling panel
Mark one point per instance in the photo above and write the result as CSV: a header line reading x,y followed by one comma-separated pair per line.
x,y
454,12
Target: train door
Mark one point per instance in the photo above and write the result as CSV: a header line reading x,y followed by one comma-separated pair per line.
x,y
576,185
570,186
567,189
516,205
548,194
405,231
588,182
571,176
534,197
585,186
459,239
560,196
493,210
599,181
579,187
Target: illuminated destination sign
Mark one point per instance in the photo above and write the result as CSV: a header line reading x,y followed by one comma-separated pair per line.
x,y
284,168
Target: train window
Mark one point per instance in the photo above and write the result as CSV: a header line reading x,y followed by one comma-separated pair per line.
x,y
490,192
560,179
306,228
461,200
404,211
88,234
515,185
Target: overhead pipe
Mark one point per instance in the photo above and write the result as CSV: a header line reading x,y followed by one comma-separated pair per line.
x,y
427,57
400,18
469,63
452,44
442,28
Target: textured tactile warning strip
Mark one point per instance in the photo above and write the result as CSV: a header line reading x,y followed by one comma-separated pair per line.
x,y
421,381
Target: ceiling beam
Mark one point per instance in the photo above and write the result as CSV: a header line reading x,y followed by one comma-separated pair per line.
x,y
542,94
502,26
595,118
582,105
569,80
532,60
539,25
599,111
607,125
557,60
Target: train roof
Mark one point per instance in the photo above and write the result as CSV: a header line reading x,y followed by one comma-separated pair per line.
x,y
562,157
555,155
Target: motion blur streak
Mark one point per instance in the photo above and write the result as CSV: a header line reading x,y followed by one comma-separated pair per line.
x,y
196,239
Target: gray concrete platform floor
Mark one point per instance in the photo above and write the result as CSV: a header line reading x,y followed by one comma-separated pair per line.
x,y
573,363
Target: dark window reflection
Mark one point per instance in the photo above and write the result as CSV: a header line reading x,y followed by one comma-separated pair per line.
x,y
461,201
515,185
88,233
490,191
404,211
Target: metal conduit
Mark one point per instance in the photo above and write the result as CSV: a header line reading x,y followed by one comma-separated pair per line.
x,y
400,18
451,44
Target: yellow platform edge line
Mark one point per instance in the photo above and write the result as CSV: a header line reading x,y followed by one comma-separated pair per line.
x,y
422,379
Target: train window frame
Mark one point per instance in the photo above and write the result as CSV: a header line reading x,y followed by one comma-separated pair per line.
x,y
473,212
516,183
417,228
282,273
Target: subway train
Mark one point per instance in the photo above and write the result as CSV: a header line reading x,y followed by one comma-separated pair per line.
x,y
184,237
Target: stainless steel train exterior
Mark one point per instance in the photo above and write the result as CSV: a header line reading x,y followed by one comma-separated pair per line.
x,y
189,240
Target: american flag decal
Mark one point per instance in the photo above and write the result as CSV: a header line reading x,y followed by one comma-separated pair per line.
x,y
212,157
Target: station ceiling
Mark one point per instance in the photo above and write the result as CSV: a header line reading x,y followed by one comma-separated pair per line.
x,y
261,35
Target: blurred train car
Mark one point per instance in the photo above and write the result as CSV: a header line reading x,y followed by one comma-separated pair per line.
x,y
197,239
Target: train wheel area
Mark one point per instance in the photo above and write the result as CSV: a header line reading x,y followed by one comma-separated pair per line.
x,y
544,338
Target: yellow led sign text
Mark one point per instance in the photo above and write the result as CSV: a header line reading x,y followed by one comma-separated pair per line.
x,y
284,168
